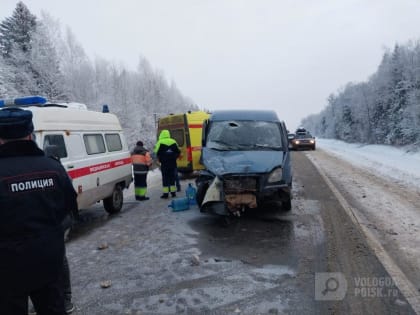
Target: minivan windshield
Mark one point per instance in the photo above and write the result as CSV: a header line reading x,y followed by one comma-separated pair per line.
x,y
244,135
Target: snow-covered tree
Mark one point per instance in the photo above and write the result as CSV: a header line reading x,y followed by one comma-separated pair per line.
x,y
385,109
45,65
16,31
77,69
15,44
7,89
40,60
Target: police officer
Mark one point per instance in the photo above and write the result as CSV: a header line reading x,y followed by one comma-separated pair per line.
x,y
35,196
53,152
167,151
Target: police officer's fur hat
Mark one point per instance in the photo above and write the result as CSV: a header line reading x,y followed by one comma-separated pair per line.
x,y
15,123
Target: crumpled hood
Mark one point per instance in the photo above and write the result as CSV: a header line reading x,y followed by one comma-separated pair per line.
x,y
242,162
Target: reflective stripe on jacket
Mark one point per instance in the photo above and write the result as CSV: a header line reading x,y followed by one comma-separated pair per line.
x,y
144,159
141,160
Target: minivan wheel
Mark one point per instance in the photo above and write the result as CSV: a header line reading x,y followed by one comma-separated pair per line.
x,y
113,203
287,204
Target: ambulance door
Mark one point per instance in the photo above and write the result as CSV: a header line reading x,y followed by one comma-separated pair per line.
x,y
74,164
181,137
54,145
68,148
178,128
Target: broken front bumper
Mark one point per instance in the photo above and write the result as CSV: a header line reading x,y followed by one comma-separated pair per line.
x,y
235,194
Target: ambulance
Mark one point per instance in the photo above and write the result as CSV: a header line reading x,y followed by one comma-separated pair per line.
x,y
90,145
186,129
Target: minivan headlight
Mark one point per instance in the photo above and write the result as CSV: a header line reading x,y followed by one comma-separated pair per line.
x,y
276,175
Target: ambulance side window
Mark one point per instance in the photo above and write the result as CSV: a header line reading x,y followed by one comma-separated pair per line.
x,y
94,143
113,142
57,142
178,136
76,147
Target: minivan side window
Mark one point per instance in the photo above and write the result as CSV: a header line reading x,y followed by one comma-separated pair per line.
x,y
113,142
94,143
55,144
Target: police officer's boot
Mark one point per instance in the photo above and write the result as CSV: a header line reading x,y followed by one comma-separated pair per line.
x,y
165,196
68,305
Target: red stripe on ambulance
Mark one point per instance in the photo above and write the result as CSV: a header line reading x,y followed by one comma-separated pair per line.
x,y
92,169
195,125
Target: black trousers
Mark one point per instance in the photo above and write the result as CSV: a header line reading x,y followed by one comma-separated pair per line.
x,y
177,183
66,279
140,180
33,268
168,178
47,300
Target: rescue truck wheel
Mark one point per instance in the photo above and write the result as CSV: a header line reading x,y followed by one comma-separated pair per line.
x,y
113,203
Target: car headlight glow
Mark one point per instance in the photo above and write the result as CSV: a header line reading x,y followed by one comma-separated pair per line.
x,y
276,175
312,141
297,141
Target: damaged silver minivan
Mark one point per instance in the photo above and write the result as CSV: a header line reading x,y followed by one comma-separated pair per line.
x,y
247,162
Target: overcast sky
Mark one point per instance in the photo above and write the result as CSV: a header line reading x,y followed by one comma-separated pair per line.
x,y
286,55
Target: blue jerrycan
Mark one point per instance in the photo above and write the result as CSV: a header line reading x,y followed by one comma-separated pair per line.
x,y
179,204
191,193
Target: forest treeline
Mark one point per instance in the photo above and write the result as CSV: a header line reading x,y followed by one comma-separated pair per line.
x,y
383,110
36,58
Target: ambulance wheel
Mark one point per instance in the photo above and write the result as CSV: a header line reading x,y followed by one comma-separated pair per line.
x,y
113,203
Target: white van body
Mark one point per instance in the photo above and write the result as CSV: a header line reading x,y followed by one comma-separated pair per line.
x,y
92,148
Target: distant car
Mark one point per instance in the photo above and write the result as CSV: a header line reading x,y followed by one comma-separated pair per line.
x,y
303,140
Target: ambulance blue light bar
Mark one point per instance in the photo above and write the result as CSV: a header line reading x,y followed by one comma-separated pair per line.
x,y
23,101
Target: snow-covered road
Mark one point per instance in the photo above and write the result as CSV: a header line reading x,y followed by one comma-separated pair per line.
x,y
382,186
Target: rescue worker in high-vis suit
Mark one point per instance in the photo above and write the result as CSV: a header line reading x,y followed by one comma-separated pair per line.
x,y
167,152
141,159
36,194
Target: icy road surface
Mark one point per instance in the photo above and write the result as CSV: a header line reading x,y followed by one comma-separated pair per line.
x,y
267,262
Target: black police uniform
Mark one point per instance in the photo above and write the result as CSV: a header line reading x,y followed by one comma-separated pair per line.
x,y
35,196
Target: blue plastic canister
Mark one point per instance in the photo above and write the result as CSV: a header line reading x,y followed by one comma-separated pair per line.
x,y
191,193
179,204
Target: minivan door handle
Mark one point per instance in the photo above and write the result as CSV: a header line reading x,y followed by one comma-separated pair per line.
x,y
70,166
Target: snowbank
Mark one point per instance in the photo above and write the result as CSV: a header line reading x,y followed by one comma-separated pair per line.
x,y
388,161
